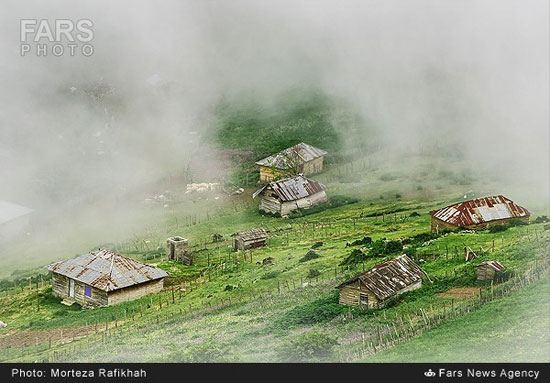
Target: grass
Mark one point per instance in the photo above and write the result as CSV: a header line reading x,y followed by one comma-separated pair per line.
x,y
385,199
512,329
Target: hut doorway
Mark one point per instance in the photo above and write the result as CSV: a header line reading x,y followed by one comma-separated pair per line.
x,y
364,300
71,287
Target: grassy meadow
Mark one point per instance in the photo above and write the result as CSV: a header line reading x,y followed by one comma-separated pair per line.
x,y
231,306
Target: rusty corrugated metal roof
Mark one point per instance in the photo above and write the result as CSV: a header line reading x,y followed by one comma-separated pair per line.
x,y
496,265
480,210
106,270
390,277
293,188
302,152
252,234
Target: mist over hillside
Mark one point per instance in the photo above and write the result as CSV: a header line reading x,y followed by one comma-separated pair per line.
x,y
462,79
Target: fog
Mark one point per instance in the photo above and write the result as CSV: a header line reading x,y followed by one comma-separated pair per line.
x,y
469,77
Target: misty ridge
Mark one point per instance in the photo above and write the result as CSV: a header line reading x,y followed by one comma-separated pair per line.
x,y
465,80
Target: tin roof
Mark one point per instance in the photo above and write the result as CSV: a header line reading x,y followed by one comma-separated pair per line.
x,y
10,211
495,265
106,270
293,188
480,210
302,152
248,235
390,277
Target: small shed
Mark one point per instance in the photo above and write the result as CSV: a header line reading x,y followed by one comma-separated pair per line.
x,y
300,158
176,247
104,278
289,194
375,286
250,239
487,270
478,213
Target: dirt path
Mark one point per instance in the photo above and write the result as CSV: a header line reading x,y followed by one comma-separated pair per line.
x,y
459,292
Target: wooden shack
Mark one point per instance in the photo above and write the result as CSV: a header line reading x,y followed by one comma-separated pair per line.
x,y
478,214
249,239
300,158
176,247
487,270
104,278
284,196
375,286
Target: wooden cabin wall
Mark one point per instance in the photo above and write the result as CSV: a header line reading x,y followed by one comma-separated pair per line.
x,y
349,295
314,166
269,204
485,273
98,298
135,292
60,285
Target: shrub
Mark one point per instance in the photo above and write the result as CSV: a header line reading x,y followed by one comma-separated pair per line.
x,y
363,241
319,311
313,273
516,222
414,214
312,254
497,228
317,245
271,274
270,214
307,347
393,246
355,256
542,219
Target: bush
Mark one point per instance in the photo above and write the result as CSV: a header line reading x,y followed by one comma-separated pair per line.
x,y
271,274
355,256
497,228
313,273
542,219
414,214
312,254
317,245
307,347
364,241
270,214
516,222
319,311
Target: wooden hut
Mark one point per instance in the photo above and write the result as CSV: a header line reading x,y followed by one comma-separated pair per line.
x,y
289,194
104,278
374,287
249,239
487,270
300,158
478,214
